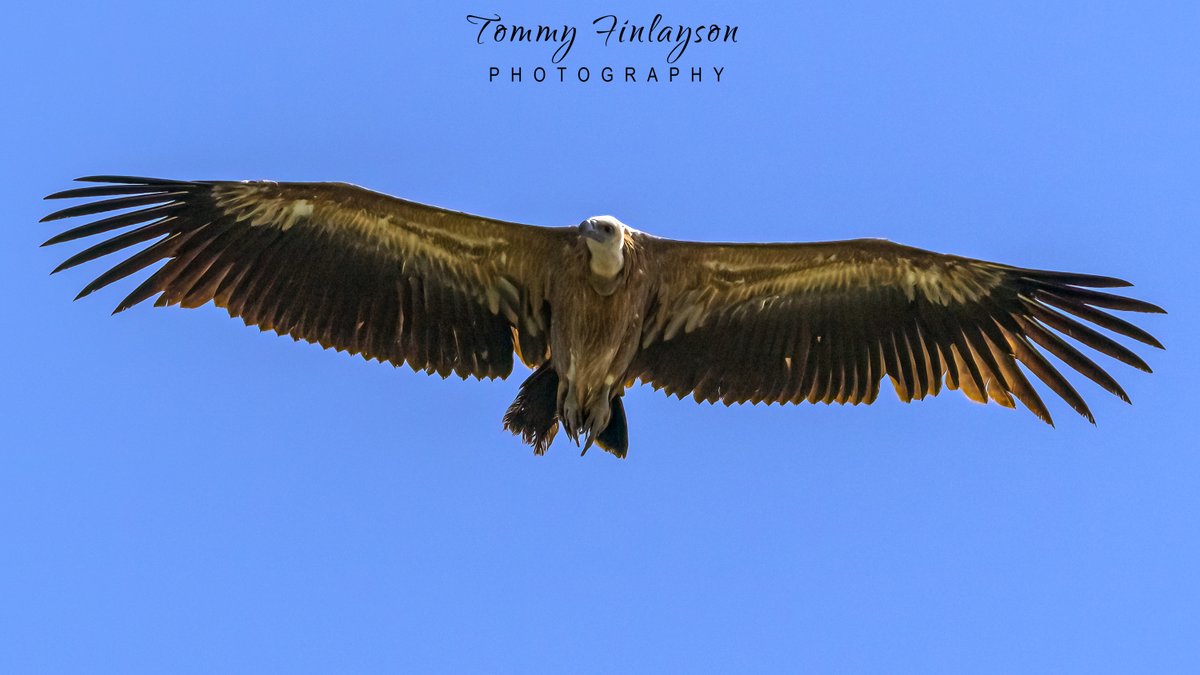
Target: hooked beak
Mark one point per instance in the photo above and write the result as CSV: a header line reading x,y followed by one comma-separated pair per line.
x,y
587,229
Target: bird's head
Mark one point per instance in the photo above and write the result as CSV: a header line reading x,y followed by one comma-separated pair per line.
x,y
605,240
603,232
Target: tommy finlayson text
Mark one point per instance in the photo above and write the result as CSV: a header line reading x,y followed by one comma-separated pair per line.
x,y
611,31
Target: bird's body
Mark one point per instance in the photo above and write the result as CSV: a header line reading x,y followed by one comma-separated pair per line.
x,y
593,346
596,307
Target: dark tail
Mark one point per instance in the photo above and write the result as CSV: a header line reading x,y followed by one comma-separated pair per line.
x,y
615,437
533,415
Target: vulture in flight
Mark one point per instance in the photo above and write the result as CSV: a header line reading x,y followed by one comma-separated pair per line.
x,y
595,307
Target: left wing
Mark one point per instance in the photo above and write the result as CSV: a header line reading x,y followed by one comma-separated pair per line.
x,y
827,321
331,263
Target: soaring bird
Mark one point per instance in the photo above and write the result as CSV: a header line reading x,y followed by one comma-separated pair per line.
x,y
596,307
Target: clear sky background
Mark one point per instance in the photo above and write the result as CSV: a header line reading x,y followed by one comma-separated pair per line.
x,y
180,493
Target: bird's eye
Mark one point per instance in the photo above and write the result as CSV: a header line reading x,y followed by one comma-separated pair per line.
x,y
607,229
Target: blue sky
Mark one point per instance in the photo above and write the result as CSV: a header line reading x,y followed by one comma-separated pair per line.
x,y
180,493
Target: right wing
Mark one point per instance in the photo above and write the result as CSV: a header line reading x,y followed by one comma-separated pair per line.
x,y
827,322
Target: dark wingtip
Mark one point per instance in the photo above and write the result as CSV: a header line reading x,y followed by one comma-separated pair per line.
x,y
1143,307
107,179
1098,281
68,194
58,239
1073,278
127,180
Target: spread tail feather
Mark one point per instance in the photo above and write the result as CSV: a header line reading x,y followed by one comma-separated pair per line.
x,y
533,415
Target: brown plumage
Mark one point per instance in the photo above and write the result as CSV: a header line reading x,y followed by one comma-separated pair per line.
x,y
595,307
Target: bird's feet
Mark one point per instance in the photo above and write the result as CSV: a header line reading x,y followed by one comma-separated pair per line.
x,y
584,422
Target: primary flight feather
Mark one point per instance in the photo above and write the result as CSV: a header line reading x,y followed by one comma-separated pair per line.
x,y
595,307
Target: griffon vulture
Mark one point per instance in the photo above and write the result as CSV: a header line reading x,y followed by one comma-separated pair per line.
x,y
595,307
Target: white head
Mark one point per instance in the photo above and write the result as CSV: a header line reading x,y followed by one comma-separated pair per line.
x,y
605,239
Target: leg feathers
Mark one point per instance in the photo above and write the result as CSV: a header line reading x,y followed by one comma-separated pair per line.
x,y
615,437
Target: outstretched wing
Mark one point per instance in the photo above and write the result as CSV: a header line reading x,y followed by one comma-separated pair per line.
x,y
827,321
330,263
